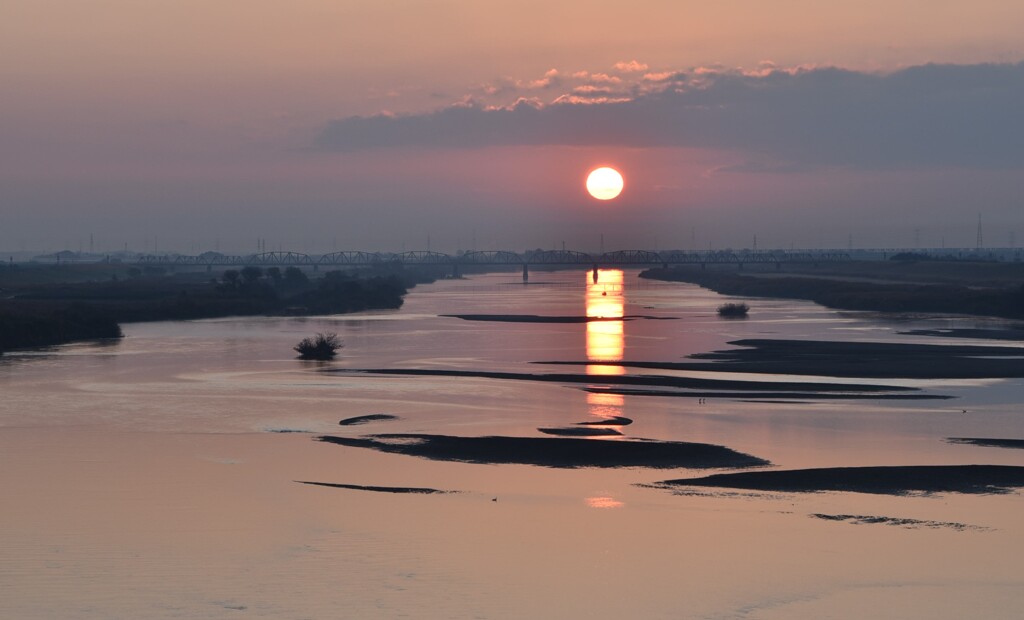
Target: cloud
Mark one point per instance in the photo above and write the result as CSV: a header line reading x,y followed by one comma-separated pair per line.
x,y
590,88
604,78
659,76
630,67
941,115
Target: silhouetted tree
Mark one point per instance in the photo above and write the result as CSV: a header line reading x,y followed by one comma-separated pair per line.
x,y
294,276
251,274
320,347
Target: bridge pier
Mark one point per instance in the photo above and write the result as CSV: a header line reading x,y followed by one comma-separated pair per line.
x,y
455,270
595,274
526,273
316,268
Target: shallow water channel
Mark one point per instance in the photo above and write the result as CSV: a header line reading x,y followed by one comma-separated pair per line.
x,y
160,476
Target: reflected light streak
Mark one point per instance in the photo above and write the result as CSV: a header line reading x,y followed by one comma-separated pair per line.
x,y
604,502
605,405
605,339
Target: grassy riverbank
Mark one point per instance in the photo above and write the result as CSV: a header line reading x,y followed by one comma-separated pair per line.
x,y
959,295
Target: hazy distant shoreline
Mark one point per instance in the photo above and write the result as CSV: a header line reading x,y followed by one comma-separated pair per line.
x,y
38,313
959,290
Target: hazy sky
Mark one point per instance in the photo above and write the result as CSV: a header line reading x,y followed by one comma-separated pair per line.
x,y
333,124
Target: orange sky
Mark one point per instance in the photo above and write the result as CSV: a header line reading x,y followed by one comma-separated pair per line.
x,y
111,107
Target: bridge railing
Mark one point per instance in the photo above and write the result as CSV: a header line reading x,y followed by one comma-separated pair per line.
x,y
558,257
356,258
278,258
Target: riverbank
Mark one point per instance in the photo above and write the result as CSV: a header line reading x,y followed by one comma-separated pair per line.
x,y
35,313
959,296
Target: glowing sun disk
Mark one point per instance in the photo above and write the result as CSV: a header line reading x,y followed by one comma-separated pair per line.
x,y
604,183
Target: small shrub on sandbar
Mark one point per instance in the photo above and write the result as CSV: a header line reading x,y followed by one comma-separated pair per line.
x,y
733,310
319,347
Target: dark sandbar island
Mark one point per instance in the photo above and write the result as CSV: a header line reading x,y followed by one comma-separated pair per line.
x,y
897,480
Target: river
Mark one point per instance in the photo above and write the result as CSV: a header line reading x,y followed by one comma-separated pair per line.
x,y
160,476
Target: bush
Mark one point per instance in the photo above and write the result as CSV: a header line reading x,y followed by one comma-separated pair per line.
x,y
320,347
733,310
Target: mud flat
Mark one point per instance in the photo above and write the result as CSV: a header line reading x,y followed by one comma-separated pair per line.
x,y
870,360
360,487
899,480
1013,334
989,443
581,431
554,452
794,397
363,419
896,521
612,421
536,318
637,380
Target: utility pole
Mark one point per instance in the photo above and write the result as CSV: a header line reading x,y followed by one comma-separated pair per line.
x,y
979,242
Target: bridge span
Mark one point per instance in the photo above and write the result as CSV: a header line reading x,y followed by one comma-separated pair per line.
x,y
495,258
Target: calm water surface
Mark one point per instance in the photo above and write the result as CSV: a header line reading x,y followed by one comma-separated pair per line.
x,y
149,478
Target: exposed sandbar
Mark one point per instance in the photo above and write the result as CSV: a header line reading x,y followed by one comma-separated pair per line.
x,y
899,480
554,452
889,360
638,380
1011,333
363,419
896,521
989,443
537,318
581,431
360,487
764,396
616,420
869,359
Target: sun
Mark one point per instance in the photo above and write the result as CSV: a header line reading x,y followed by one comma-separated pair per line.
x,y
604,183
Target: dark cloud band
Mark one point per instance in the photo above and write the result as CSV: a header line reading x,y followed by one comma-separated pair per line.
x,y
954,115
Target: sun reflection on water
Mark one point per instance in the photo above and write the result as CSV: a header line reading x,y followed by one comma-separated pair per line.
x,y
605,339
604,502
